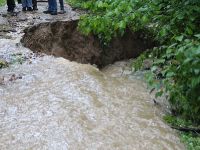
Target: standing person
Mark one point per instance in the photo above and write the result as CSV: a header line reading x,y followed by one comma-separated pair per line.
x,y
27,5
11,5
52,7
34,4
62,10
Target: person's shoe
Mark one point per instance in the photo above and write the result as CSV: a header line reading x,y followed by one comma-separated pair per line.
x,y
24,9
10,10
62,12
47,12
35,8
29,9
54,13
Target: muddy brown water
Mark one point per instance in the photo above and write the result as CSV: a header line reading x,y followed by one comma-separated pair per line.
x,y
53,103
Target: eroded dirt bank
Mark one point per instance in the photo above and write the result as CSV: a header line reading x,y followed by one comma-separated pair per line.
x,y
62,39
52,103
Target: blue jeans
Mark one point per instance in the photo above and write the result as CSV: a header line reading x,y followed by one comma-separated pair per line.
x,y
52,5
26,3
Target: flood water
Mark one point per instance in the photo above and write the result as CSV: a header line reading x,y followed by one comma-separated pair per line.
x,y
52,103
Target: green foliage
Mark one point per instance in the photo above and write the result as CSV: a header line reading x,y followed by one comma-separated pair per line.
x,y
191,140
179,69
2,2
175,24
177,122
17,58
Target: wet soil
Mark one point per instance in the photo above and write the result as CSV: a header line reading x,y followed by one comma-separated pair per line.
x,y
48,102
62,39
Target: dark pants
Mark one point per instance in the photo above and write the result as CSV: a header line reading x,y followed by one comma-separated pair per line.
x,y
11,5
61,4
34,3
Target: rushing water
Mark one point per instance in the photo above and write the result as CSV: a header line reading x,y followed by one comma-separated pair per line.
x,y
52,103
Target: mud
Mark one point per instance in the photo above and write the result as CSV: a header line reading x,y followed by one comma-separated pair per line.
x,y
62,39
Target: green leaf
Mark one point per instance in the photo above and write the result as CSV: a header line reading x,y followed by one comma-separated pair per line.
x,y
170,74
158,94
145,19
189,31
179,38
197,35
154,68
122,24
163,32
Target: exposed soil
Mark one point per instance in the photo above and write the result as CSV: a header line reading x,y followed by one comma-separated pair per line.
x,y
62,39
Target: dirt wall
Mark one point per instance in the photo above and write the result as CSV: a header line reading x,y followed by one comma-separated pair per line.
x,y
62,39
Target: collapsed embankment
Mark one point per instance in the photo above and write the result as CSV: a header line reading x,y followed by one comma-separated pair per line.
x,y
62,39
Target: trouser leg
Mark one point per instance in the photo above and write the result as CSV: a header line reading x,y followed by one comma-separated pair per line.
x,y
34,4
49,5
29,3
11,5
52,5
24,3
61,4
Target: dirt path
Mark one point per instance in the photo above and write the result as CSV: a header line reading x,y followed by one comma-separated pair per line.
x,y
53,103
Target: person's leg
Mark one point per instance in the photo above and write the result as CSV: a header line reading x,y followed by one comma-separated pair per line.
x,y
34,4
49,5
11,5
62,10
49,8
24,5
53,8
61,4
29,5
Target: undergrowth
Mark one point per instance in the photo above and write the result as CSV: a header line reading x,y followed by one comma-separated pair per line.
x,y
190,138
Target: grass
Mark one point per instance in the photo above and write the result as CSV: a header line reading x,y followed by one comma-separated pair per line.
x,y
2,2
191,140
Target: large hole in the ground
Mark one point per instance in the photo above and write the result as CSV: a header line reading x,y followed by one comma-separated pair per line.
x,y
62,39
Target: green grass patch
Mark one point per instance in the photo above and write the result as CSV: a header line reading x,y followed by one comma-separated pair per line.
x,y
191,140
2,2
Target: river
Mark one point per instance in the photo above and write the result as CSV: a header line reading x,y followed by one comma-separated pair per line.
x,y
53,103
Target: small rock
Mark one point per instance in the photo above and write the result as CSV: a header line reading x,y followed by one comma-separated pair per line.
x,y
12,78
1,80
3,20
147,64
3,63
22,19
